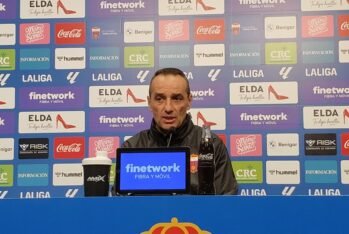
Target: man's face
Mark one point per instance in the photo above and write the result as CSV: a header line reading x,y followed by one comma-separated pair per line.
x,y
169,100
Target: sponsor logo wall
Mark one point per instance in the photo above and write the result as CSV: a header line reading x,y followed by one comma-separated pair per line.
x,y
270,77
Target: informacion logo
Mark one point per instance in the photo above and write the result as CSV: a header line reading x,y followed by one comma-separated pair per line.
x,y
169,55
321,171
104,57
245,54
35,59
33,148
32,175
314,52
248,172
320,144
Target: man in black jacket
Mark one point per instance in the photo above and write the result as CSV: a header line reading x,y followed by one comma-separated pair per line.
x,y
169,100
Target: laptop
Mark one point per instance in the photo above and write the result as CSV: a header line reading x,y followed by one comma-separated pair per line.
x,y
152,171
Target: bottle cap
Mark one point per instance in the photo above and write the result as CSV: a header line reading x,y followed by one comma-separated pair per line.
x,y
100,159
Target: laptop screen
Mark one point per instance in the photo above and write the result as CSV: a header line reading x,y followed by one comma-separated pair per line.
x,y
152,170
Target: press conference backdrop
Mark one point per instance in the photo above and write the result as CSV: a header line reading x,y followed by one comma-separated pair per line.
x,y
270,77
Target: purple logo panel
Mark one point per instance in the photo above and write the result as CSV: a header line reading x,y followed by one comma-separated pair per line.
x,y
255,6
102,9
120,120
209,94
264,118
7,122
51,99
8,9
335,92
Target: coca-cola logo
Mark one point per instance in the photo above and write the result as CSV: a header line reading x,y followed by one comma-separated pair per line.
x,y
212,30
345,25
75,147
346,144
75,33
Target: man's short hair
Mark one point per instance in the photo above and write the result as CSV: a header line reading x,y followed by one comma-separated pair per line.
x,y
170,71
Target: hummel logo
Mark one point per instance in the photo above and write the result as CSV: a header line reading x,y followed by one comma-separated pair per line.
x,y
2,7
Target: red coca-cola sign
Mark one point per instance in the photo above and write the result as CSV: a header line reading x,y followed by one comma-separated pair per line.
x,y
209,29
70,33
69,147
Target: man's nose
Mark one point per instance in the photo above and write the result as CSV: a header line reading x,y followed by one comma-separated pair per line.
x,y
168,106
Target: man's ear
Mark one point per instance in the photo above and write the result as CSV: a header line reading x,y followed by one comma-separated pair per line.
x,y
190,100
148,98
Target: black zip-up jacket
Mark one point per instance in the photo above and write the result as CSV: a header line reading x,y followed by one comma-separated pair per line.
x,y
190,135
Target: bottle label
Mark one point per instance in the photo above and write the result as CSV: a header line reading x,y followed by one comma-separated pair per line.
x,y
206,157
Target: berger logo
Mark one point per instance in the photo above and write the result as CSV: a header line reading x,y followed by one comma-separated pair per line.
x,y
321,72
281,53
69,147
70,33
139,31
185,227
70,58
246,145
139,57
283,144
35,34
320,144
173,30
248,73
33,148
280,27
343,25
6,149
7,59
7,34
67,174
317,26
209,55
209,30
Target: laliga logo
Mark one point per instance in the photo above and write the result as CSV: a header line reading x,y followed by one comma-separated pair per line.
x,y
175,227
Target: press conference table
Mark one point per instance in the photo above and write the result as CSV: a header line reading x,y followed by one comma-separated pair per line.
x,y
214,214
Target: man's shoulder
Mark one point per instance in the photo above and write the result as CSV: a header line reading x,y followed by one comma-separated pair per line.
x,y
135,140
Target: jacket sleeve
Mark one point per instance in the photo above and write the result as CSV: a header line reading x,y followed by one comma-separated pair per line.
x,y
225,181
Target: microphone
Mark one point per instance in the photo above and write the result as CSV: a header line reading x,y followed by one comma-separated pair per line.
x,y
171,131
